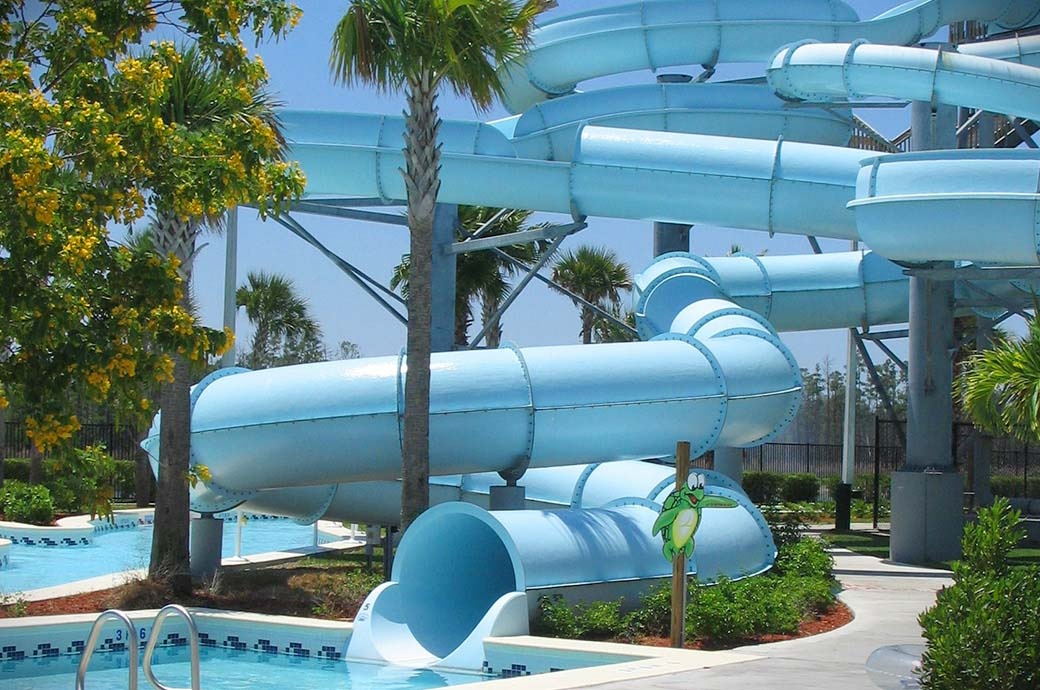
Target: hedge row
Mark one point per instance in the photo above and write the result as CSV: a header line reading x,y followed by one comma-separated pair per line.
x,y
1014,487
773,487
18,470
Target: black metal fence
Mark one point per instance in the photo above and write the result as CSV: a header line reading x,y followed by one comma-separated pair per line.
x,y
120,441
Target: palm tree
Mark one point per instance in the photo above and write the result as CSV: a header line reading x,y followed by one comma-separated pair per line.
x,y
1000,387
283,329
481,277
201,100
596,275
420,46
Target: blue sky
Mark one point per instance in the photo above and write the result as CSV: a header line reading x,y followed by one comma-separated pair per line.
x,y
300,78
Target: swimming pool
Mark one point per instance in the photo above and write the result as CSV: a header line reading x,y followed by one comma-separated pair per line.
x,y
33,567
226,669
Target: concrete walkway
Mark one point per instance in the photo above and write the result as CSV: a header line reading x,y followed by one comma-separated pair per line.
x,y
886,599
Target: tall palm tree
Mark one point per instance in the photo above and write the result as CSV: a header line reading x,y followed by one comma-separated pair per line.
x,y
420,46
1000,388
598,276
481,277
281,320
200,100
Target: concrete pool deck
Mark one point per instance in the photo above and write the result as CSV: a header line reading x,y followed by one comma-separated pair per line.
x,y
886,599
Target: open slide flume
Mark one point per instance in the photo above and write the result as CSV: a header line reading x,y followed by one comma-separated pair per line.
x,y
581,428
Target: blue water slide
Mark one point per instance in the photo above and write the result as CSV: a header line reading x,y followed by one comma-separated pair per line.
x,y
662,33
821,72
483,571
547,131
724,379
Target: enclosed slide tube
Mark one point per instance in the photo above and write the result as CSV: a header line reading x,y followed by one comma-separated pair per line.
x,y
462,574
725,379
798,292
663,33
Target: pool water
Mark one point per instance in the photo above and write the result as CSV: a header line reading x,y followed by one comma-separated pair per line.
x,y
32,567
225,669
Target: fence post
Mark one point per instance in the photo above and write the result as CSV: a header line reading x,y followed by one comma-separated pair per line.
x,y
1025,473
807,458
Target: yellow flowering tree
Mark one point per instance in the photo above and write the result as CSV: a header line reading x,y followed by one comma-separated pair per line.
x,y
87,142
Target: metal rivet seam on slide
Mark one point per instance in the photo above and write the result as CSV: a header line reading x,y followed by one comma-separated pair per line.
x,y
544,130
642,326
579,486
865,321
400,397
720,383
547,89
789,91
770,337
196,393
714,60
772,183
513,474
767,284
730,311
646,38
229,499
846,66
933,100
321,510
633,501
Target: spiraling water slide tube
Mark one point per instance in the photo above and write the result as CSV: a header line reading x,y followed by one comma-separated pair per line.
x,y
576,423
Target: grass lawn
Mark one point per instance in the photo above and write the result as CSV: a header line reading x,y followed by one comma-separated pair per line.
x,y
876,544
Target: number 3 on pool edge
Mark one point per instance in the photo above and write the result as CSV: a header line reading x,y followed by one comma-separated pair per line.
x,y
119,635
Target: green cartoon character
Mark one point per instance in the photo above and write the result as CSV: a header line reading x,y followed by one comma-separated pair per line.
x,y
681,515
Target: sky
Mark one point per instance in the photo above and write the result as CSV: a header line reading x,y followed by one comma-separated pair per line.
x,y
300,78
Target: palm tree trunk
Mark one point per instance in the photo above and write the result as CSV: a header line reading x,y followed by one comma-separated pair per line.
x,y
35,465
588,318
422,182
488,307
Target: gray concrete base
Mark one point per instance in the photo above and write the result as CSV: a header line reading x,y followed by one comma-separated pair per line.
x,y
730,462
927,516
507,498
207,536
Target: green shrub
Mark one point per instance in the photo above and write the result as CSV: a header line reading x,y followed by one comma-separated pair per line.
x,y
984,631
788,524
732,611
83,480
806,557
810,595
27,503
654,615
340,595
864,483
1014,487
17,469
596,620
763,488
800,487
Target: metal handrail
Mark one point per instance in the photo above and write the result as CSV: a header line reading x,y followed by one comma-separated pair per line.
x,y
95,632
193,642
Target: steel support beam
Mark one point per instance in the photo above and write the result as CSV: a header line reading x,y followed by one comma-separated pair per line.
x,y
230,281
442,286
358,276
348,212
550,232
671,237
879,386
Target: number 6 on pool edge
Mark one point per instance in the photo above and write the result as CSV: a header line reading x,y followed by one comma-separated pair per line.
x,y
144,633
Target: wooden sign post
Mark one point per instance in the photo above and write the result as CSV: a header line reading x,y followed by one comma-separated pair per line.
x,y
682,474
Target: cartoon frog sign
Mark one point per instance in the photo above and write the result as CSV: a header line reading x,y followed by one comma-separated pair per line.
x,y
681,516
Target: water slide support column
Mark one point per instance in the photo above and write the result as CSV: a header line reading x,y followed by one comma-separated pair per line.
x,y
927,493
442,328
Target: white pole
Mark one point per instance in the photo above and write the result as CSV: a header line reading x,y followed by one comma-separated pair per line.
x,y
230,280
848,441
238,533
315,533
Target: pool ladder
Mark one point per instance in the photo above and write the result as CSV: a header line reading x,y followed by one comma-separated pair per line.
x,y
149,648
